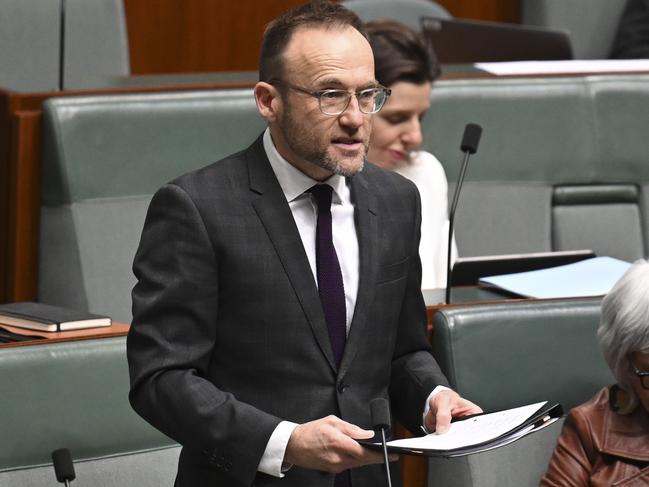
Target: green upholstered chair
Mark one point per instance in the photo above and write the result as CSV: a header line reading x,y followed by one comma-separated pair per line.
x,y
545,140
592,24
103,157
96,43
74,395
406,11
29,45
511,354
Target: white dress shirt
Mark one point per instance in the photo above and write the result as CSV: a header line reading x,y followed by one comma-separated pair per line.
x,y
428,175
294,184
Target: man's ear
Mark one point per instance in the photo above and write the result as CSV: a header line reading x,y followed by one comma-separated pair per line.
x,y
268,100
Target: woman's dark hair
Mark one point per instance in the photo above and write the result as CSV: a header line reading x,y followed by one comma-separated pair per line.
x,y
400,54
317,13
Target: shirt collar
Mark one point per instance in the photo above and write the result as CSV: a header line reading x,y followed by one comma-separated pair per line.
x,y
294,182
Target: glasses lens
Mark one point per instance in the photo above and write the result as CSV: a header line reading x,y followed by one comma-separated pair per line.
x,y
334,102
372,100
644,380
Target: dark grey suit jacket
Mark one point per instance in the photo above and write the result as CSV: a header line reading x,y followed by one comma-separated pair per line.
x,y
632,40
229,337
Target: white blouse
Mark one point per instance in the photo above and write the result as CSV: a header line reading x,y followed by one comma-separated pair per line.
x,y
428,175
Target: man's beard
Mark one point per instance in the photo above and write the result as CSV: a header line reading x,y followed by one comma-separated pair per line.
x,y
305,147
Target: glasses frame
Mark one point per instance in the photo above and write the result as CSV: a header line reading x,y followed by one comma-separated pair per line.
x,y
318,94
642,375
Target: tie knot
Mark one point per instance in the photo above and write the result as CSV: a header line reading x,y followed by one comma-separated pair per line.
x,y
323,195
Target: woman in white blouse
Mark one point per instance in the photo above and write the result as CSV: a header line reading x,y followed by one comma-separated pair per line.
x,y
403,64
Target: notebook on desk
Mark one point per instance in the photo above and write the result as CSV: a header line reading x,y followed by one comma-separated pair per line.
x,y
471,41
468,270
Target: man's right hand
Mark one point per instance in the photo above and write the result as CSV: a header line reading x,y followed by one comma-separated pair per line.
x,y
329,444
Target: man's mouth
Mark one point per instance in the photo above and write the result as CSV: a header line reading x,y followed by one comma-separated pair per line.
x,y
348,143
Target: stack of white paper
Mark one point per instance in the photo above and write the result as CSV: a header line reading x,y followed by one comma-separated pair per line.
x,y
590,277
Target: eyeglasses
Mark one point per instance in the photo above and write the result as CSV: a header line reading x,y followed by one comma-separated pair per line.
x,y
335,102
643,376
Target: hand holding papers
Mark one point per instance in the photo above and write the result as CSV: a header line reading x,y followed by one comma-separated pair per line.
x,y
478,433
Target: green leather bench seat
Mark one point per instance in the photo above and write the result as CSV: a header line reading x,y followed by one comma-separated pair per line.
x,y
540,134
103,157
511,354
75,395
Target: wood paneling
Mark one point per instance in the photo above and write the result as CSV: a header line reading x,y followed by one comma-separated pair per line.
x,y
496,10
179,36
184,36
21,271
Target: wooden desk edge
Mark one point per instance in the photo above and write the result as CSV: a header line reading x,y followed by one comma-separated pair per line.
x,y
114,330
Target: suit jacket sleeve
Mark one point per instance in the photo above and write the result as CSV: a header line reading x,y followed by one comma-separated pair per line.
x,y
415,372
175,304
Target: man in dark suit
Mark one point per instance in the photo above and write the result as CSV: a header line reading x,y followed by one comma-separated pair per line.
x,y
267,315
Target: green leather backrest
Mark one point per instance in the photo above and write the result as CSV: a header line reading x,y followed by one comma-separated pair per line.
x,y
583,129
96,43
103,157
125,145
540,133
510,354
592,24
72,395
29,45
406,11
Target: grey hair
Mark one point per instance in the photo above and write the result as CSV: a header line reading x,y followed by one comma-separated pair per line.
x,y
624,323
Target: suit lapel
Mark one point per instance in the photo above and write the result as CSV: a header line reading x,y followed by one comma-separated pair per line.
x,y
273,211
367,233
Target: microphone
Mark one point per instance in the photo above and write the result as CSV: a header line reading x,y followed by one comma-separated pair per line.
x,y
469,145
63,467
380,414
62,46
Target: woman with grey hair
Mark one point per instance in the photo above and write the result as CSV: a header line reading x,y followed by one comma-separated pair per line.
x,y
605,441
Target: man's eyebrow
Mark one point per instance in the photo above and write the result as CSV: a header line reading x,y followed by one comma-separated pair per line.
x,y
335,83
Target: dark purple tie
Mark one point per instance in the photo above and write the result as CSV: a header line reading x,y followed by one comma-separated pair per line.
x,y
330,278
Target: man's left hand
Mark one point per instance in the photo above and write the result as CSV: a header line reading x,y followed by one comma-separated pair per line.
x,y
445,405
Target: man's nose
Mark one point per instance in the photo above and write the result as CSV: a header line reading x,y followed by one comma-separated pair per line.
x,y
352,116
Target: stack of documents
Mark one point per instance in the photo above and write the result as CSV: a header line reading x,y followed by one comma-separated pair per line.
x,y
590,277
478,433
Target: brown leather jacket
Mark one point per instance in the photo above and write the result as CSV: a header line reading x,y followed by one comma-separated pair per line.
x,y
599,447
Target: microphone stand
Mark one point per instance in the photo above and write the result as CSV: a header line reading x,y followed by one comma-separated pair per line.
x,y
451,219
62,45
385,457
380,414
469,145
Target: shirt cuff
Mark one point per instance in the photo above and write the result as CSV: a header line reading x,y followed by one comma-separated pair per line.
x,y
272,461
427,406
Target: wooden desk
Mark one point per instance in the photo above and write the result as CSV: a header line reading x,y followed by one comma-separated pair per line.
x,y
114,330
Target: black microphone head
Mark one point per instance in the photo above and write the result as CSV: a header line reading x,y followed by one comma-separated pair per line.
x,y
380,413
471,138
63,467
